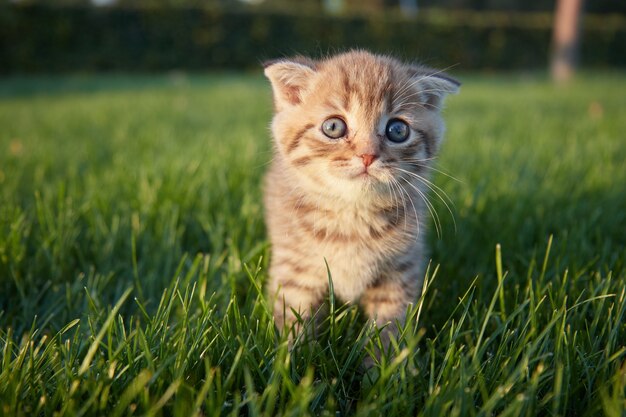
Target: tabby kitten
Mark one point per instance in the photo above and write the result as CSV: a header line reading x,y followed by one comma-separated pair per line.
x,y
354,137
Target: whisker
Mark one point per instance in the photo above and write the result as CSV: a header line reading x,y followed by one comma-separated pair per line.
x,y
263,164
434,188
409,104
404,99
418,92
430,207
427,182
433,73
398,198
443,173
404,87
412,83
432,158
417,221
394,197
404,208
416,162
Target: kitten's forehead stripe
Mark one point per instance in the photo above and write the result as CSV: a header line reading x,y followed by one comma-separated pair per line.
x,y
369,86
346,90
389,97
333,108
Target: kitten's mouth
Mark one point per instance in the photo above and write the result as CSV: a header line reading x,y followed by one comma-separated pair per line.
x,y
365,175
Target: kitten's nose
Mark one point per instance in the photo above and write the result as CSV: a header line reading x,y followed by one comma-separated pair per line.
x,y
368,159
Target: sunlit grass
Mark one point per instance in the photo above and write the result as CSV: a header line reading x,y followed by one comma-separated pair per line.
x,y
133,256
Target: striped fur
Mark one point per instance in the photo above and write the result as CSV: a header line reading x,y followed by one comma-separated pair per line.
x,y
319,206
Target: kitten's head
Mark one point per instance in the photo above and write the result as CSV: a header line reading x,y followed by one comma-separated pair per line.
x,y
353,124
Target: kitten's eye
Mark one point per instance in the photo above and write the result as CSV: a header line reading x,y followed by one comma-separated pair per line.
x,y
397,130
334,128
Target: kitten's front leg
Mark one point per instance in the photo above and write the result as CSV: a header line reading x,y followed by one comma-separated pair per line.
x,y
294,293
386,302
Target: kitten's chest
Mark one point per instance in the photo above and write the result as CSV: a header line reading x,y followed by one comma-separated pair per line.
x,y
356,244
352,225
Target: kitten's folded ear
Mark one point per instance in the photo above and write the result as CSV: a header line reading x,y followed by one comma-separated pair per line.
x,y
433,86
289,78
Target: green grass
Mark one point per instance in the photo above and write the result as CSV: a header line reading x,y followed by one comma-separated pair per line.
x,y
133,256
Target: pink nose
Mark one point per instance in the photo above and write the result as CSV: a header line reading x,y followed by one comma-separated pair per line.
x,y
368,159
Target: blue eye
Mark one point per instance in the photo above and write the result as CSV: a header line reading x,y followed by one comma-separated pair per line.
x,y
397,131
334,128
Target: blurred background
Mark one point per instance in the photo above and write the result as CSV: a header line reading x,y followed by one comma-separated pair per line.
x,y
77,36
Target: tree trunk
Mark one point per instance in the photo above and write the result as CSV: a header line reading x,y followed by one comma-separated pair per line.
x,y
565,39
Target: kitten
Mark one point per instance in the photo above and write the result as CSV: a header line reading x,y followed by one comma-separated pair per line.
x,y
354,136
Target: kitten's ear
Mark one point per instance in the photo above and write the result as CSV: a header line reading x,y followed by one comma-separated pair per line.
x,y
289,79
433,85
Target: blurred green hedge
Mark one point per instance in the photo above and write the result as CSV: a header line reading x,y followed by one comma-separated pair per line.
x,y
48,39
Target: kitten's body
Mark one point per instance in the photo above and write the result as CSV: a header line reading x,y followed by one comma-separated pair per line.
x,y
354,201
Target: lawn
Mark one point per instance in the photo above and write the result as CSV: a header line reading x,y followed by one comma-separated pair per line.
x,y
133,256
